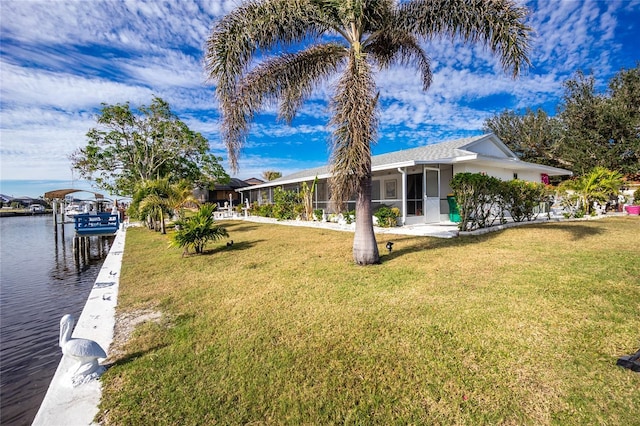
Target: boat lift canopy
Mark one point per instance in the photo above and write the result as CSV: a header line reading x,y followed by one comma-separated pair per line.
x,y
61,193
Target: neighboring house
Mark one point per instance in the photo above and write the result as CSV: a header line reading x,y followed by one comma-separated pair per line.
x,y
225,193
417,180
254,181
23,201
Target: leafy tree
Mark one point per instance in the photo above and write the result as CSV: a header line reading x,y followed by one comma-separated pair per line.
x,y
598,185
591,129
130,147
198,230
350,39
602,129
271,175
534,137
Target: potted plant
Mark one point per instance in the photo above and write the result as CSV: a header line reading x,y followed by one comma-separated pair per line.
x,y
635,207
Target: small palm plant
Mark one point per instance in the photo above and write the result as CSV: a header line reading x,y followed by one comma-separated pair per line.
x,y
596,186
196,231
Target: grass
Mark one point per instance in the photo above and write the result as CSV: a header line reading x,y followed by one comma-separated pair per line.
x,y
522,326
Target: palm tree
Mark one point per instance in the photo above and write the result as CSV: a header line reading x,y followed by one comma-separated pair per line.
x,y
182,197
196,231
154,202
271,175
350,39
596,186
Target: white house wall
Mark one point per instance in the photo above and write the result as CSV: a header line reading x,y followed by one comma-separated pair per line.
x,y
529,176
500,173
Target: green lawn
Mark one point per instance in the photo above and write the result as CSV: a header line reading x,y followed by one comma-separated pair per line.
x,y
519,327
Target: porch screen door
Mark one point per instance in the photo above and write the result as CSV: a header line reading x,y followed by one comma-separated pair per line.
x,y
432,195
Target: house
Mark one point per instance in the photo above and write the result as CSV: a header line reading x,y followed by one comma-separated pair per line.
x,y
417,180
225,193
24,202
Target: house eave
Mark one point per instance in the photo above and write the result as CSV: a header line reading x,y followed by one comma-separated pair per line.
x,y
279,182
515,164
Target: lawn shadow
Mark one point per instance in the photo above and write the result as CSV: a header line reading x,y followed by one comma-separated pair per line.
x,y
580,231
236,246
130,357
404,244
240,228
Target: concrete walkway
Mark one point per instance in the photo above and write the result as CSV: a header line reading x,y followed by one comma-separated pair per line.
x,y
440,230
67,405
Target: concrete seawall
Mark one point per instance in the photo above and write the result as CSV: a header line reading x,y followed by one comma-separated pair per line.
x,y
64,404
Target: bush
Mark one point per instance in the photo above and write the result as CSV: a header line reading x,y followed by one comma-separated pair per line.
x,y
522,198
287,204
387,216
484,199
264,210
479,198
636,197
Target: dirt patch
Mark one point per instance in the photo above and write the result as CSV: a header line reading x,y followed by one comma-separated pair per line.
x,y
126,323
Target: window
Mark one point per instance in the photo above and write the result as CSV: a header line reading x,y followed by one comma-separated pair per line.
x,y
390,189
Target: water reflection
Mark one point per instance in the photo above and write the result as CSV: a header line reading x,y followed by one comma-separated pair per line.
x,y
42,277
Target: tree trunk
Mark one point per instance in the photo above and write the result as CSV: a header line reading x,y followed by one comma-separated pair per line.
x,y
365,247
163,230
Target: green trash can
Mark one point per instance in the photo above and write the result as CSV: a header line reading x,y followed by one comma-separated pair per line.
x,y
454,214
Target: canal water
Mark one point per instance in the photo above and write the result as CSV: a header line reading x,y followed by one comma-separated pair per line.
x,y
41,279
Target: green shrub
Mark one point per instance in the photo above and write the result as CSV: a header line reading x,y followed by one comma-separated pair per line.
x,y
479,198
317,213
263,210
523,198
387,216
287,205
636,197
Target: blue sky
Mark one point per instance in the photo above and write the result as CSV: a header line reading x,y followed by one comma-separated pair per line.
x,y
61,59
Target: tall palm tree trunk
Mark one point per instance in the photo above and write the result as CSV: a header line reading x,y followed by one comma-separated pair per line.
x,y
365,247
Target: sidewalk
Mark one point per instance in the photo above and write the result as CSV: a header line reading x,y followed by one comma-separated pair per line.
x,y
440,230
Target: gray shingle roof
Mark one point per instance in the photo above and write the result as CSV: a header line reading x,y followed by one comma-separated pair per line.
x,y
427,153
433,152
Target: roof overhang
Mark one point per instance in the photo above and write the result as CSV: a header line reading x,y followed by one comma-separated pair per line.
x,y
514,164
281,181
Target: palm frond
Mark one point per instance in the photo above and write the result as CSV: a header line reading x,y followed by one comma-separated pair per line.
x,y
250,30
497,23
392,45
289,78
